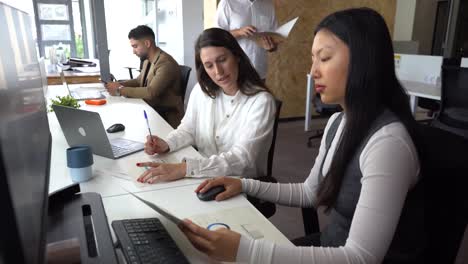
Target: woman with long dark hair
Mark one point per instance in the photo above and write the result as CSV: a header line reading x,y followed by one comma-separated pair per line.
x,y
366,172
229,117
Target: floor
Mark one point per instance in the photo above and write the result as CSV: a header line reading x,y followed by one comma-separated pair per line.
x,y
292,163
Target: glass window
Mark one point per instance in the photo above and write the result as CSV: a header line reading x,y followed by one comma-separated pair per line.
x,y
78,29
53,12
149,6
58,53
55,32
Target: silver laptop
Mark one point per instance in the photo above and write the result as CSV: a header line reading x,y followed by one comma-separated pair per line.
x,y
81,95
85,127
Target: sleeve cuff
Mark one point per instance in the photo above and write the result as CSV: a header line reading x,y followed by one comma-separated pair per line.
x,y
243,252
123,91
193,167
246,183
172,145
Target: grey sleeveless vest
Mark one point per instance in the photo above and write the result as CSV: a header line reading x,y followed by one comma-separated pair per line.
x,y
408,242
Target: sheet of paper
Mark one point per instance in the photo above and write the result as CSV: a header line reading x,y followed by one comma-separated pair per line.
x,y
125,173
240,219
174,219
135,171
286,27
87,69
282,31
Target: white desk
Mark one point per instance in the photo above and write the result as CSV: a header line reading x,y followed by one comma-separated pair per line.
x,y
183,203
178,197
117,110
420,89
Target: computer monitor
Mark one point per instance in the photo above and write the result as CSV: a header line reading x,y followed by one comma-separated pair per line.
x,y
42,68
25,143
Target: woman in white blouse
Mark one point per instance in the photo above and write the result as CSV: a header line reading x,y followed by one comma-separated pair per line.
x,y
365,174
229,117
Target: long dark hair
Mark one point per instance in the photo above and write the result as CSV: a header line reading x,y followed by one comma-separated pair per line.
x,y
248,80
371,87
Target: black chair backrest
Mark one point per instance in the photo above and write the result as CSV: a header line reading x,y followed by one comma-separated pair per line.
x,y
184,74
268,209
454,87
444,169
271,152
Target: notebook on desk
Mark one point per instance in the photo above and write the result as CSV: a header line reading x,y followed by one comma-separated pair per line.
x,y
81,95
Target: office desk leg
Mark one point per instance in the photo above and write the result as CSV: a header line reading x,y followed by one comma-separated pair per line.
x,y
413,103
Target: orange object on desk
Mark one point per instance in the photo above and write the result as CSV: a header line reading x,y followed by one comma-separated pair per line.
x,y
95,102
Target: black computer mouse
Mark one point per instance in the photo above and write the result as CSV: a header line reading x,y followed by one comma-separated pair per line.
x,y
115,128
211,193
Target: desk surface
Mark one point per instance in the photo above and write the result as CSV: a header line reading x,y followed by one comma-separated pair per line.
x,y
183,203
73,77
107,184
178,197
421,89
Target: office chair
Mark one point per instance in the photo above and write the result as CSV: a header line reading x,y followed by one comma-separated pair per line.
x,y
130,69
324,111
268,209
130,72
185,74
430,104
453,115
443,182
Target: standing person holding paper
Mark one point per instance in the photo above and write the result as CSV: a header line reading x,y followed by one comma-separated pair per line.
x,y
244,18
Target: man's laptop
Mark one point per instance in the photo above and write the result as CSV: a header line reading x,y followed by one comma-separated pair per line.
x,y
81,95
85,127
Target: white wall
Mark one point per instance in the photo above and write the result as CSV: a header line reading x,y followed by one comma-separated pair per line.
x,y
23,5
419,68
404,20
192,14
121,17
170,28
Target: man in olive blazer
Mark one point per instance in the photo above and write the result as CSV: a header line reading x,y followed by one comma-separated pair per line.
x,y
159,82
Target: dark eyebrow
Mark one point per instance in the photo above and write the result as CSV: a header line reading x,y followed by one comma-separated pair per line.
x,y
321,49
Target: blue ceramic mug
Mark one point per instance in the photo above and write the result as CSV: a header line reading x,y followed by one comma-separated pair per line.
x,y
80,161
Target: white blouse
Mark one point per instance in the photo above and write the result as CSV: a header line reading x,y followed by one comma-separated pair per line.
x,y
390,168
232,133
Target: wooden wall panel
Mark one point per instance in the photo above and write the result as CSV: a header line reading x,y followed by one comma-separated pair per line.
x,y
289,66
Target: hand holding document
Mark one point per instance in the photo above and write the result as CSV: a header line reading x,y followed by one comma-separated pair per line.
x,y
280,34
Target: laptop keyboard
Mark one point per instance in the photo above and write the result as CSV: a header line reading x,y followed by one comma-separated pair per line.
x,y
122,146
147,241
118,151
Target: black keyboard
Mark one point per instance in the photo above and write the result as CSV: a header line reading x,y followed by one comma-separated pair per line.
x,y
147,241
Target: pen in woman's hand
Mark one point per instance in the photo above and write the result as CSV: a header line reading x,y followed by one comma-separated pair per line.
x,y
147,124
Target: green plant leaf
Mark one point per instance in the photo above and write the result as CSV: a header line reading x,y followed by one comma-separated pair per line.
x,y
64,101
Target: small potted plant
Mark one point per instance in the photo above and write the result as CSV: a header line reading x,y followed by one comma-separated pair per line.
x,y
66,100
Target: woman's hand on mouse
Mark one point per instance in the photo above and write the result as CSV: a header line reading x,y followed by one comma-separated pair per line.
x,y
159,172
155,145
233,187
221,244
